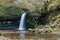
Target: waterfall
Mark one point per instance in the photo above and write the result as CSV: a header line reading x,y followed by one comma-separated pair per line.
x,y
22,22
22,27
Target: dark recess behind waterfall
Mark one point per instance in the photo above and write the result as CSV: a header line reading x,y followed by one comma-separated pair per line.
x,y
9,26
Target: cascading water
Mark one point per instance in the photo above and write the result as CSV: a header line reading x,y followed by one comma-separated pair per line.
x,y
22,27
22,22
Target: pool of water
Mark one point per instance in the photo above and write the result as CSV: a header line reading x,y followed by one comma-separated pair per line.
x,y
30,36
12,34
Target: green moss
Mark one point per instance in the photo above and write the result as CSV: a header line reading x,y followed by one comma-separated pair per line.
x,y
53,4
54,15
57,16
10,12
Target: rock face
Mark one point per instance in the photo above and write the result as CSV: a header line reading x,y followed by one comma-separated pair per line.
x,y
47,9
11,9
40,6
30,5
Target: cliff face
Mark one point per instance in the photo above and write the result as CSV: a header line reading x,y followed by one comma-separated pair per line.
x,y
47,10
12,9
40,6
30,5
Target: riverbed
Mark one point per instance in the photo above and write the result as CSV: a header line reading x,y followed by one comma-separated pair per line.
x,y
17,35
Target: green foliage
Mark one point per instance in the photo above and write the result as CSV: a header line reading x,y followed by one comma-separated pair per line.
x,y
6,2
53,4
54,15
10,12
2,11
30,22
13,11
